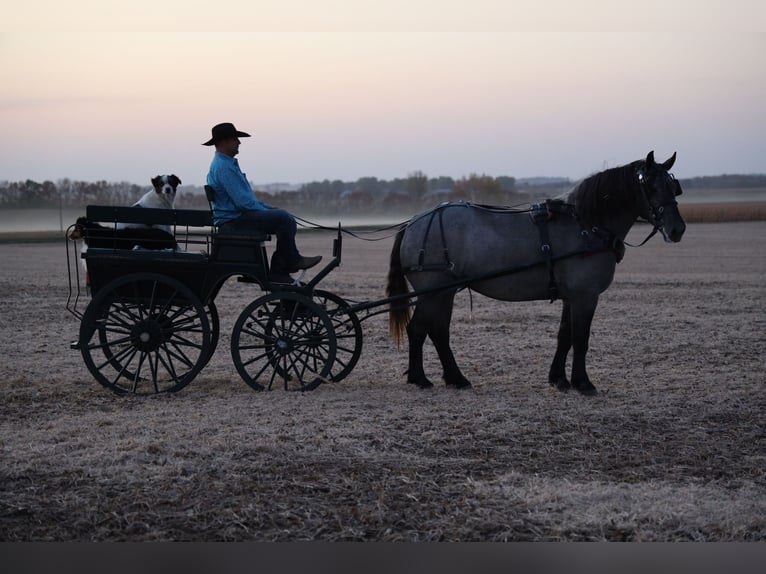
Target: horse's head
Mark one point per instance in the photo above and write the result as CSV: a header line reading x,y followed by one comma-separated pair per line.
x,y
660,190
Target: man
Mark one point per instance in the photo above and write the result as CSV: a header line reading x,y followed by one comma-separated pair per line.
x,y
237,210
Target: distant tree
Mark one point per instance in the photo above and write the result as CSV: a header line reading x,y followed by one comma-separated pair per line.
x,y
368,184
440,183
506,183
417,185
479,189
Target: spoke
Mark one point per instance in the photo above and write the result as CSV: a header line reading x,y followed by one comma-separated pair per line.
x,y
274,374
181,341
253,347
264,328
257,358
169,367
114,358
152,298
121,372
302,360
119,325
344,349
137,297
141,359
265,366
117,342
177,353
341,362
125,312
154,368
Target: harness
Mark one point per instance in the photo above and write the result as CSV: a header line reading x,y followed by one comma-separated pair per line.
x,y
541,214
448,264
595,240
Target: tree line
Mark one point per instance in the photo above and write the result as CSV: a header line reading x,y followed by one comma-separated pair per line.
x,y
366,195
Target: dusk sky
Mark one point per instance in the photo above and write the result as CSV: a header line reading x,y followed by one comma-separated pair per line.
x,y
339,90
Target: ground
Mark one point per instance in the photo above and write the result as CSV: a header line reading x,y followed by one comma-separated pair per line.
x,y
672,448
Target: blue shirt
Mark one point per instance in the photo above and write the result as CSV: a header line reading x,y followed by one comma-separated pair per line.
x,y
233,194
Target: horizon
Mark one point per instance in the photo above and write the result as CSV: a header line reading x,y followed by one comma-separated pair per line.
x,y
258,186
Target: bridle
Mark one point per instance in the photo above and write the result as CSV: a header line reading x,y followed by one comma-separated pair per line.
x,y
655,212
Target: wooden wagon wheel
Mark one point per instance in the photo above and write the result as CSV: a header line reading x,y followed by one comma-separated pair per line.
x,y
348,333
145,333
283,337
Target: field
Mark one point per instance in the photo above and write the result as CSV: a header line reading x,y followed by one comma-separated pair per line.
x,y
673,447
724,211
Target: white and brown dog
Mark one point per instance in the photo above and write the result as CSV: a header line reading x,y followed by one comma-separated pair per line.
x,y
161,196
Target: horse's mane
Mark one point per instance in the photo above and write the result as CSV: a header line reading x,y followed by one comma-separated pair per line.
x,y
605,193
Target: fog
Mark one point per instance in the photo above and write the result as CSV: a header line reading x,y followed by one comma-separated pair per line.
x,y
51,219
45,219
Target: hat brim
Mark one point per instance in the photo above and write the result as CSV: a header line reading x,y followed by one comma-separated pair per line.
x,y
236,134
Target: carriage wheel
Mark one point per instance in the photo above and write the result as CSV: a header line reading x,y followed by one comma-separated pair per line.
x,y
154,335
212,317
283,337
348,333
215,328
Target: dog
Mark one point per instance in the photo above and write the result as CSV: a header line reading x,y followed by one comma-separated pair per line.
x,y
96,235
161,196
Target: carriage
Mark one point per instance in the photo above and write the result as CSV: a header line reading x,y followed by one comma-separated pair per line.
x,y
152,323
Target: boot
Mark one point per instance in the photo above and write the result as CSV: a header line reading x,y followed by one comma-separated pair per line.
x,y
303,263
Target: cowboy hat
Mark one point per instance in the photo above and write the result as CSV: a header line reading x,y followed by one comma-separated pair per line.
x,y
224,131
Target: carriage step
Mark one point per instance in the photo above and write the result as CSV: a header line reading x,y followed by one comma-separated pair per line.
x,y
74,345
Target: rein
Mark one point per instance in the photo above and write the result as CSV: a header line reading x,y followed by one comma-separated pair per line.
x,y
395,228
652,233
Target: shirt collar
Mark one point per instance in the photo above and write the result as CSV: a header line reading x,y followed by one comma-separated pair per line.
x,y
223,157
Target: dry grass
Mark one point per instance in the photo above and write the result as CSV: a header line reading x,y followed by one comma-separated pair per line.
x,y
673,448
723,212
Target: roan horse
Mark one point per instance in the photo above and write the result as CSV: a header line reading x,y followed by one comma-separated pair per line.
x,y
566,248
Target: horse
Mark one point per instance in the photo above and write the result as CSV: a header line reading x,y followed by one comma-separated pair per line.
x,y
100,236
565,248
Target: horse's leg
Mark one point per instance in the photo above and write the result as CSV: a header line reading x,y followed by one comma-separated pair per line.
x,y
417,330
441,316
557,375
582,316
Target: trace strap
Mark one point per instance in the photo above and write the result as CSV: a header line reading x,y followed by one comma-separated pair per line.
x,y
448,264
541,214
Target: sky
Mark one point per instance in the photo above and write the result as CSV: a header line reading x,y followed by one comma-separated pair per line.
x,y
332,89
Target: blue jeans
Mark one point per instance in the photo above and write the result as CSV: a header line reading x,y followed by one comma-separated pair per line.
x,y
275,222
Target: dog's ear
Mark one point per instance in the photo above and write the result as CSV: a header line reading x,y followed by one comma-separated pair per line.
x,y
174,180
156,181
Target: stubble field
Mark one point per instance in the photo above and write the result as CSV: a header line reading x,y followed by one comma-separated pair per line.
x,y
673,447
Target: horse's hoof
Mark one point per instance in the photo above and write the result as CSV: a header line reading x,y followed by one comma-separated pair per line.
x,y
423,383
461,383
562,384
586,388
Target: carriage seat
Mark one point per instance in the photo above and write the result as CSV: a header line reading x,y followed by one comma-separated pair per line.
x,y
227,246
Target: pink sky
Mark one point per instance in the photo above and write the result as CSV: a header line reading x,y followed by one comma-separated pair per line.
x,y
368,91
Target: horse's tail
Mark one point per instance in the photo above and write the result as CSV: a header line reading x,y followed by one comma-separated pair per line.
x,y
399,311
